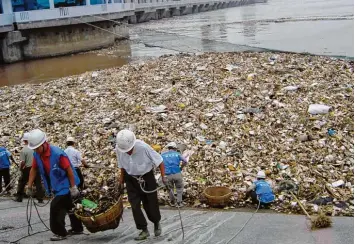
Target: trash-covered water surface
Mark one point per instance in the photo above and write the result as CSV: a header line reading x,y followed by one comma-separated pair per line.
x,y
237,112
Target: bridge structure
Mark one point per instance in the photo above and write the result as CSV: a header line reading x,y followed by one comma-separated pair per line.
x,y
37,33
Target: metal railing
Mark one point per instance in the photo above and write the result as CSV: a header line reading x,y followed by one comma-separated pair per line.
x,y
170,3
88,10
70,12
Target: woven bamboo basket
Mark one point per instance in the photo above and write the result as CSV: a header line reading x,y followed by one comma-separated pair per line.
x,y
104,221
217,196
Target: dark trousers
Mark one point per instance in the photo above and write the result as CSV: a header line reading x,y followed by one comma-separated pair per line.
x,y
255,200
60,206
80,175
150,200
23,181
5,174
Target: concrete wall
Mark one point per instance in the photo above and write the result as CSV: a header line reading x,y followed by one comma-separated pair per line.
x,y
55,41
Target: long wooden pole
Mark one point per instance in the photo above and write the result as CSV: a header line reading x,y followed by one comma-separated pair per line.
x,y
301,205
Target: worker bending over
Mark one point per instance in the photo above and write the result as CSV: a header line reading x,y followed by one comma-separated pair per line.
x,y
172,160
60,178
5,157
26,157
76,159
136,159
261,191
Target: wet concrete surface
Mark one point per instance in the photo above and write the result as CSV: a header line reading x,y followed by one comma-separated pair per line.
x,y
215,227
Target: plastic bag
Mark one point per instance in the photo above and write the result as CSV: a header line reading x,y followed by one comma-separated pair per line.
x,y
318,109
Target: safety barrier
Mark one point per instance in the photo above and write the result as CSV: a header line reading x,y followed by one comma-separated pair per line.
x,y
71,12
114,7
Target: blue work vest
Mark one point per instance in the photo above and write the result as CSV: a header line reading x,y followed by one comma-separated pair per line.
x,y
58,177
171,160
4,159
264,191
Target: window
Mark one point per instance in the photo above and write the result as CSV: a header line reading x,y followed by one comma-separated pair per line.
x,y
68,3
93,2
27,5
1,11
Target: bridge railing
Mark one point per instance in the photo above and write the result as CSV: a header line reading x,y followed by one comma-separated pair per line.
x,y
167,3
87,10
6,19
68,12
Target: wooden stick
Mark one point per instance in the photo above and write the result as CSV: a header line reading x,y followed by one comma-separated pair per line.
x,y
301,205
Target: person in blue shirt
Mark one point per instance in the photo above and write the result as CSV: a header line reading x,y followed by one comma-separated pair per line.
x,y
261,191
5,157
172,160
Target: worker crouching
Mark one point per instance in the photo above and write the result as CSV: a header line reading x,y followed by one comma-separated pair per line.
x,y
261,191
60,178
172,160
136,159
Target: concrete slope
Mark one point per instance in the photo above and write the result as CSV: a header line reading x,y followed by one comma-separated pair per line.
x,y
216,227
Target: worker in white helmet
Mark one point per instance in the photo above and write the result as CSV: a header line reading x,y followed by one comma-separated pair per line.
x,y
136,159
26,157
76,159
174,162
261,191
59,178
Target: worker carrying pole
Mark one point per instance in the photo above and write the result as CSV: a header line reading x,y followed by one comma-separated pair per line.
x,y
136,161
60,178
172,160
76,159
26,157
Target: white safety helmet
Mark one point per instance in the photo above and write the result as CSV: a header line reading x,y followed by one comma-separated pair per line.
x,y
172,145
70,139
25,136
125,140
261,175
36,138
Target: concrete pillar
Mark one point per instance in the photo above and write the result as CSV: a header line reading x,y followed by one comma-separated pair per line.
x,y
175,12
51,4
194,9
11,47
153,16
167,13
200,8
7,6
88,2
132,19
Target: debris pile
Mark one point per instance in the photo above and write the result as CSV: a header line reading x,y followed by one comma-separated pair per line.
x,y
288,114
101,189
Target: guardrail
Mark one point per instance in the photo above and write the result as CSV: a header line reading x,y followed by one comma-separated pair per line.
x,y
70,12
87,10
6,19
165,3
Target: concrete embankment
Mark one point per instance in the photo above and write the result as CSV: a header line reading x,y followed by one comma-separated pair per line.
x,y
60,37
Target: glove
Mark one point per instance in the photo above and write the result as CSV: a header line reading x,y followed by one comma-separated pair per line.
x,y
29,191
74,192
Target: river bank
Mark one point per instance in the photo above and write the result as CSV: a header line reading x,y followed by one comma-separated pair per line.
x,y
311,26
238,112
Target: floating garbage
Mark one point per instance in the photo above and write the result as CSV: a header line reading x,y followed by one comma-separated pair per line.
x,y
236,121
318,109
